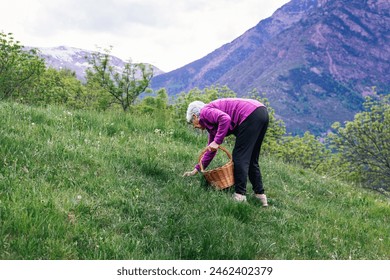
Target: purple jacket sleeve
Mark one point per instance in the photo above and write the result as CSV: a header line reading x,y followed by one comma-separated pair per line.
x,y
222,120
208,156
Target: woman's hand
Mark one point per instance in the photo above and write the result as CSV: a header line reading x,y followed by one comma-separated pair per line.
x,y
190,173
213,146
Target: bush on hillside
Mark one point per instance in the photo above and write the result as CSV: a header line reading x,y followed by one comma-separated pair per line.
x,y
53,87
157,107
364,143
307,151
156,102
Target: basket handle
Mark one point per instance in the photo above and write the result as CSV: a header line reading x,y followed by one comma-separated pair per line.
x,y
205,150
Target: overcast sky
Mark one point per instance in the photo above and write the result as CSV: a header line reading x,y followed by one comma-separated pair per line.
x,y
166,33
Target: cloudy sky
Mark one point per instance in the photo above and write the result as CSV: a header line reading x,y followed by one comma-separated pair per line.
x,y
165,33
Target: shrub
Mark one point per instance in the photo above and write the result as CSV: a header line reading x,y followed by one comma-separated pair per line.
x,y
364,143
306,151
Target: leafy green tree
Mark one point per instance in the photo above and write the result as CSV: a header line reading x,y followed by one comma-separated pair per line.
x,y
307,151
56,87
159,102
96,96
364,143
18,68
124,87
158,108
162,99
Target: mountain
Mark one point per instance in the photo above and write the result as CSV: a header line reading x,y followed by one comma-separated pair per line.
x,y
76,60
314,59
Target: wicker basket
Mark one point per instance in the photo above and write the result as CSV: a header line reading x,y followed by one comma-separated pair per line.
x,y
221,177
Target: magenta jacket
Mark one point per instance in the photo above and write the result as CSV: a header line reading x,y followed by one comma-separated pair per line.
x,y
221,117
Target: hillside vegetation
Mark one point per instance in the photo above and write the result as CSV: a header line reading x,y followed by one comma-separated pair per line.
x,y
79,184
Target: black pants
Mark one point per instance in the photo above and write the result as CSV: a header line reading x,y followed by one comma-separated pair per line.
x,y
249,137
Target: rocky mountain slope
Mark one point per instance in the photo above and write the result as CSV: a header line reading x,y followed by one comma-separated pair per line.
x,y
314,59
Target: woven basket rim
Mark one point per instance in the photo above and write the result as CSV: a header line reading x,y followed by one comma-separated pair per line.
x,y
218,168
226,165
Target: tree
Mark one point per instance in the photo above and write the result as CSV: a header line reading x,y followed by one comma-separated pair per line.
x,y
364,143
124,87
18,68
307,151
159,102
57,87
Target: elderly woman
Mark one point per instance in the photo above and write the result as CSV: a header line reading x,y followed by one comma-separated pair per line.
x,y
248,120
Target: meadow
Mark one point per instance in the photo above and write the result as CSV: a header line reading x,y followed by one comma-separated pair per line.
x,y
79,184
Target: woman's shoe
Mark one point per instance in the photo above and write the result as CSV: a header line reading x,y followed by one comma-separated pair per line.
x,y
263,199
239,197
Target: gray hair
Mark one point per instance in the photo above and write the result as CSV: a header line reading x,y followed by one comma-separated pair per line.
x,y
194,109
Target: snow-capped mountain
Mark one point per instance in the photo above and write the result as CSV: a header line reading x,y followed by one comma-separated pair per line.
x,y
76,59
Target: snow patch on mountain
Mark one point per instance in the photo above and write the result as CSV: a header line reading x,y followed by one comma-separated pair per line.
x,y
76,60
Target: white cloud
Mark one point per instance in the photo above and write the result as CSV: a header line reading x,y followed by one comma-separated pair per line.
x,y
166,33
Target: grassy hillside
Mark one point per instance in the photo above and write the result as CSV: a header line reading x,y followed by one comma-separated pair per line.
x,y
88,185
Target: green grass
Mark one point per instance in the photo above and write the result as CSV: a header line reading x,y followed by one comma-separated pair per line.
x,y
89,185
